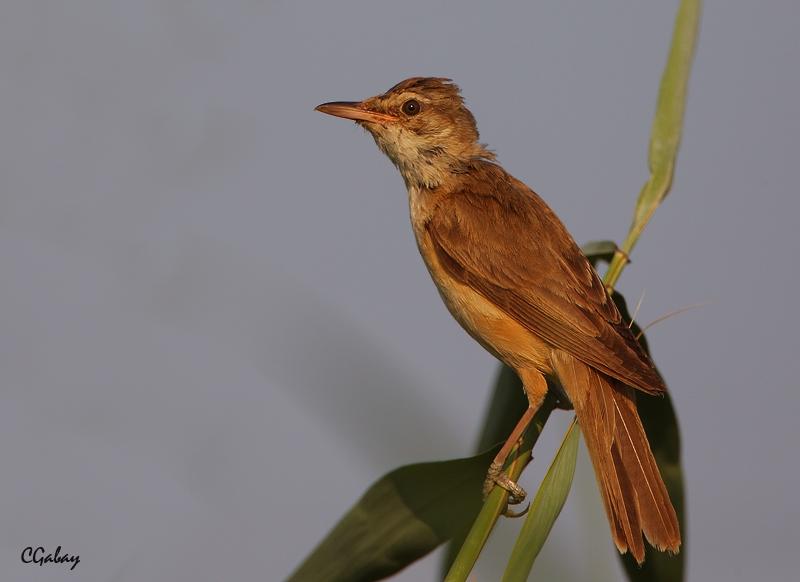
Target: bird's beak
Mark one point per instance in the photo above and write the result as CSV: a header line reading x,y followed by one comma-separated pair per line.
x,y
355,111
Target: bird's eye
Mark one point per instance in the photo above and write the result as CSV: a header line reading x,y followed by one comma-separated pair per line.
x,y
411,107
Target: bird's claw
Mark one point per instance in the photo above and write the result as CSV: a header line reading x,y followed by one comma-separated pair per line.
x,y
496,476
510,513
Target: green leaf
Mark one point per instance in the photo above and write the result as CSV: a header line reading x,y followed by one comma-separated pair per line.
x,y
403,516
661,426
599,250
668,123
665,137
545,508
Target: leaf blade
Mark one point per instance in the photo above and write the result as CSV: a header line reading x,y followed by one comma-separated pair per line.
x,y
400,518
666,133
545,508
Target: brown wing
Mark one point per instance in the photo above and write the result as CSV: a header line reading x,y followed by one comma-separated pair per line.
x,y
499,237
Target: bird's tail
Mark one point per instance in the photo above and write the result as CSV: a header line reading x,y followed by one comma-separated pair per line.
x,y
634,495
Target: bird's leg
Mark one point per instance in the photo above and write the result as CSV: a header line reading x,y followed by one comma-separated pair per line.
x,y
535,386
496,475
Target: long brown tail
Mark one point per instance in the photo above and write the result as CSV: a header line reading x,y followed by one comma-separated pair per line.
x,y
633,493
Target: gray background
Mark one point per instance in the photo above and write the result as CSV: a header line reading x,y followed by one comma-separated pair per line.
x,y
216,331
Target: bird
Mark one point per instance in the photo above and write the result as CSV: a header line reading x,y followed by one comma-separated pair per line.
x,y
514,278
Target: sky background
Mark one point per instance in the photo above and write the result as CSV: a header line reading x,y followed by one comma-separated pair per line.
x,y
215,328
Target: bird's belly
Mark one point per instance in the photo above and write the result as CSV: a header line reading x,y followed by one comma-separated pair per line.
x,y
495,330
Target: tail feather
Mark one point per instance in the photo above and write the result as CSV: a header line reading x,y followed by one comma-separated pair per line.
x,y
659,522
633,493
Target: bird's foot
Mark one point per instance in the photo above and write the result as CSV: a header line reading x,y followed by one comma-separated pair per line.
x,y
516,494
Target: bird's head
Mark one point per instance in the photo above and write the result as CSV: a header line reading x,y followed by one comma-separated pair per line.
x,y
422,125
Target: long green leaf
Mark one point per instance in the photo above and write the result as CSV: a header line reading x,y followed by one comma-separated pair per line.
x,y
545,508
403,516
667,128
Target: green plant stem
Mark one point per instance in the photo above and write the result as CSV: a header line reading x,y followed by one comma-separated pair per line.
x,y
497,502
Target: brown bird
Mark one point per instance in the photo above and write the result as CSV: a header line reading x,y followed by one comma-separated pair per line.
x,y
516,281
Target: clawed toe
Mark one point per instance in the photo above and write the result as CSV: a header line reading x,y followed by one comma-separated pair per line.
x,y
496,476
